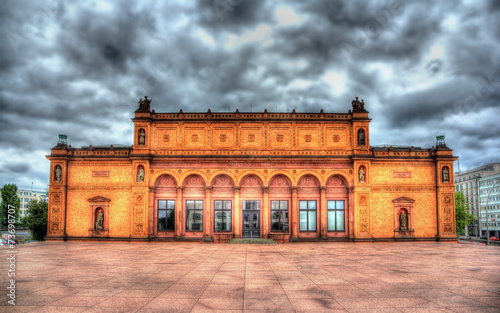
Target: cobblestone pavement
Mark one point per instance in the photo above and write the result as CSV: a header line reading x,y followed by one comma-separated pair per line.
x,y
301,277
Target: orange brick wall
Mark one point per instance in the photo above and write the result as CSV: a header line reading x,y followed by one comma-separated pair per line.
x,y
418,183
84,184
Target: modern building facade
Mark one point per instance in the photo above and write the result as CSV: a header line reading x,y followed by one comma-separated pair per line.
x,y
489,192
286,176
474,184
26,195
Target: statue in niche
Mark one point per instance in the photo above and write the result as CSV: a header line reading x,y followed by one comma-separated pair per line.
x,y
142,137
361,138
361,174
58,173
402,220
140,174
99,220
445,174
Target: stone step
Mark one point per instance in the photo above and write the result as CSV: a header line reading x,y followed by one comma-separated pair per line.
x,y
261,241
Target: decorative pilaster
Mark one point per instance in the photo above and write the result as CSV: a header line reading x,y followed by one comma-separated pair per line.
x,y
178,213
323,213
294,208
265,212
237,213
150,213
207,229
352,208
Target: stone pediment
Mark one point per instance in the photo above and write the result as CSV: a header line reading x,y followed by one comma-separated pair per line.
x,y
403,200
99,199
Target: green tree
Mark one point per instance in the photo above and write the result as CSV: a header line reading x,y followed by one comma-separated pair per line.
x,y
9,197
463,219
36,219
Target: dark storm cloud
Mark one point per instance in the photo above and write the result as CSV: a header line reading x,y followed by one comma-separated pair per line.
x,y
112,42
17,168
230,15
423,68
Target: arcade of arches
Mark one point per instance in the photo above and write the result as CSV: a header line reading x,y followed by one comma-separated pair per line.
x,y
286,176
251,207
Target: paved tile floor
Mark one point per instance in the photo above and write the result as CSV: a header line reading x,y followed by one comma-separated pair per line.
x,y
303,277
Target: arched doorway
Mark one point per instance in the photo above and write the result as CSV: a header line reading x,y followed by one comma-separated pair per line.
x,y
251,206
280,205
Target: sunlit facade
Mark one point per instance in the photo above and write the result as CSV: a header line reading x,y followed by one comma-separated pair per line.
x,y
285,176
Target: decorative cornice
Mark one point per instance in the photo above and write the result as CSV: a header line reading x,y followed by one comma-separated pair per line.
x,y
99,199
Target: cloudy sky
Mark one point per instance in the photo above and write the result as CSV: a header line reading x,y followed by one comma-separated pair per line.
x,y
424,68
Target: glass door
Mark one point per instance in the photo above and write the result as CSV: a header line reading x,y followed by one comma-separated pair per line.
x,y
251,219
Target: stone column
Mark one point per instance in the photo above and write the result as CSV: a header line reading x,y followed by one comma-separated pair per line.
x,y
265,212
237,213
178,214
294,215
207,216
323,213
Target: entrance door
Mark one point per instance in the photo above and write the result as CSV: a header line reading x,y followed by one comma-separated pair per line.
x,y
251,224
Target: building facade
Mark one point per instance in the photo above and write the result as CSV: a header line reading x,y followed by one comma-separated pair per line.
x,y
475,184
286,176
26,195
489,192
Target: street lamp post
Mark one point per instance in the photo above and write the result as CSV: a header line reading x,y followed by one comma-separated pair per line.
x,y
478,206
495,182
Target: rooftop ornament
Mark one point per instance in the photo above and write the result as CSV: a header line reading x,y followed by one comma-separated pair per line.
x,y
440,141
358,106
144,105
63,141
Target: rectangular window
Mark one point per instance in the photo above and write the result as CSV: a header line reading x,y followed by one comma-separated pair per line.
x,y
279,216
336,215
251,205
222,215
307,215
166,215
194,215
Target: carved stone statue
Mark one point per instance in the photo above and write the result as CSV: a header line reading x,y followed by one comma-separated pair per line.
x,y
445,174
402,220
140,174
142,137
58,173
357,105
361,138
361,174
144,105
99,220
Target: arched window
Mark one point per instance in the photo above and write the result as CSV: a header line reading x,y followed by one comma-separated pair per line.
x,y
336,201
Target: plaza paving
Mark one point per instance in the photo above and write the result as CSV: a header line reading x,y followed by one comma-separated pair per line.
x,y
303,277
